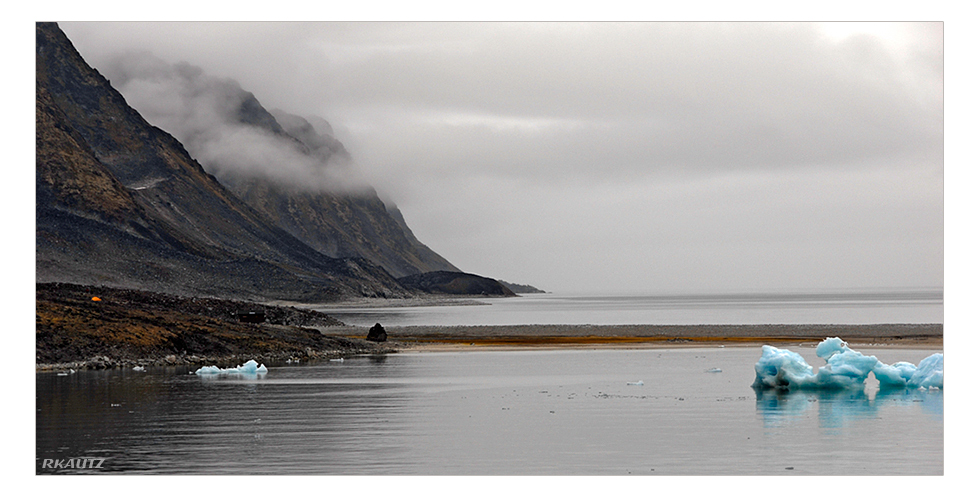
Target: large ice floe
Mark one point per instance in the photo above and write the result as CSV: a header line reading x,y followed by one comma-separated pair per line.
x,y
844,368
250,367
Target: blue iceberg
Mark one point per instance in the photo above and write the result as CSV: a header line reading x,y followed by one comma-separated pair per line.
x,y
930,373
844,368
250,367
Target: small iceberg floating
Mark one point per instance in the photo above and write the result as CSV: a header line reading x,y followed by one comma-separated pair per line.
x,y
639,383
250,367
714,370
139,368
844,368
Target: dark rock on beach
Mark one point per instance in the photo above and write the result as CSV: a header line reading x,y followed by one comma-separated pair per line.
x,y
377,333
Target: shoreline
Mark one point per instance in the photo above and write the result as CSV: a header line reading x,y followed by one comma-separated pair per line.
x,y
85,327
347,341
357,346
500,337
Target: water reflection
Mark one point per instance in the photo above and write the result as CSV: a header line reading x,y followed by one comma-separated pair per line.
x,y
172,421
566,412
837,408
377,359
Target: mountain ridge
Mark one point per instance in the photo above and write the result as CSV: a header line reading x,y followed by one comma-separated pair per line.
x,y
338,224
121,202
282,165
164,223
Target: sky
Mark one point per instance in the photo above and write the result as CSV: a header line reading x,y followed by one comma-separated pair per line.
x,y
612,157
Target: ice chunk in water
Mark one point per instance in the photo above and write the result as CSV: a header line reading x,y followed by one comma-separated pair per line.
x,y
782,369
930,373
844,368
250,367
896,375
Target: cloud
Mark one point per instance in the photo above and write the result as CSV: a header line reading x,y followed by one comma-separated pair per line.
x,y
691,155
225,128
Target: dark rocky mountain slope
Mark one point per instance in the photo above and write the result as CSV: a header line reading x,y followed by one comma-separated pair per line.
x,y
457,283
121,203
336,223
289,168
343,225
521,288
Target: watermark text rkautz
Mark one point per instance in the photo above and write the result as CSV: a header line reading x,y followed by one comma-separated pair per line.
x,y
71,463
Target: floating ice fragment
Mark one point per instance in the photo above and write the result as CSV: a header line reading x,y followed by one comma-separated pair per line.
x,y
714,370
896,375
250,367
639,383
779,368
844,368
336,359
930,373
139,368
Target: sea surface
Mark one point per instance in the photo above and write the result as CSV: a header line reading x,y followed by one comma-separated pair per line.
x,y
646,412
905,306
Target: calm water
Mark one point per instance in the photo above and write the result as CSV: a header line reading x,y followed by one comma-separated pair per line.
x,y
851,307
563,412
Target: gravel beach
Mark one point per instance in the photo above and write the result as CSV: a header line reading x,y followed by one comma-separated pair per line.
x,y
441,337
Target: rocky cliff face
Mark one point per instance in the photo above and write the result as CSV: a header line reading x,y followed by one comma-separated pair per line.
x,y
354,223
343,225
290,169
456,283
120,202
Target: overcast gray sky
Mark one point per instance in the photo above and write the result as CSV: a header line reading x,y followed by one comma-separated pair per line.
x,y
641,157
